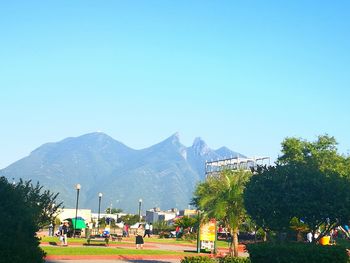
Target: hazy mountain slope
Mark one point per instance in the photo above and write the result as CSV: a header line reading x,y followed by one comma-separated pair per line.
x,y
164,174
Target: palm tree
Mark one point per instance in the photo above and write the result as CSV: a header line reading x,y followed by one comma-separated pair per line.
x,y
221,197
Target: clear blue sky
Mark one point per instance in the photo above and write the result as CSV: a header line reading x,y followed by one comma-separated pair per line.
x,y
244,74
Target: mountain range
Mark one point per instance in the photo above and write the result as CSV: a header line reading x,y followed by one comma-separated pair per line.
x,y
163,175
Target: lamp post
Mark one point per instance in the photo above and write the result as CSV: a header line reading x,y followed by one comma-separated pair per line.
x,y
116,207
99,210
198,232
78,187
110,216
52,220
140,202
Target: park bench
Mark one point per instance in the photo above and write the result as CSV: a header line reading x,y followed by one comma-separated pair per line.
x,y
98,238
116,237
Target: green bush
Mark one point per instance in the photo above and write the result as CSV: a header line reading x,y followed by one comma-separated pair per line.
x,y
164,234
18,215
295,253
229,259
198,259
189,236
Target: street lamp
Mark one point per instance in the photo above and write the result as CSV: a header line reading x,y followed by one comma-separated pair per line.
x,y
140,202
99,210
78,187
110,216
116,207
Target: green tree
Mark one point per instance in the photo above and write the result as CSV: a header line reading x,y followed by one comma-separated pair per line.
x,y
185,222
43,202
309,182
221,197
322,153
23,209
129,219
160,226
114,210
265,199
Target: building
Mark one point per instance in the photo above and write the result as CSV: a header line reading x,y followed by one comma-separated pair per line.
x,y
94,216
213,168
155,215
66,213
188,212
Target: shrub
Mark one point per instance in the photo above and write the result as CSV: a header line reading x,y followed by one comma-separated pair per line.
x,y
229,259
189,236
198,259
295,253
18,243
164,234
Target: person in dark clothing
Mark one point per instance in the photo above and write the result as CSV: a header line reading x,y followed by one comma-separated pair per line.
x,y
64,232
139,237
147,230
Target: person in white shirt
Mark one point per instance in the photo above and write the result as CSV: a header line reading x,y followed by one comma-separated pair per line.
x,y
147,230
309,237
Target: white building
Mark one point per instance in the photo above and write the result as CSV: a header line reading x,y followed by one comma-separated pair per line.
x,y
155,214
65,213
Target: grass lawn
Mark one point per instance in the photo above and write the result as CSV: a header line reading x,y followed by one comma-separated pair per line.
x,y
170,241
104,251
71,240
220,243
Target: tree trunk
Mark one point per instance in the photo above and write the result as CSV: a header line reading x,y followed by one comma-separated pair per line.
x,y
234,242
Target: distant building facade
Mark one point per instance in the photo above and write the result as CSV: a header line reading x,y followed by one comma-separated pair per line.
x,y
188,212
66,213
214,168
155,214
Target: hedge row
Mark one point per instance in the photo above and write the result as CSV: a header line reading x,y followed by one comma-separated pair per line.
x,y
282,253
296,253
203,259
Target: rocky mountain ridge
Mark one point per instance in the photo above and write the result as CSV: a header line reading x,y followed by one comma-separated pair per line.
x,y
163,175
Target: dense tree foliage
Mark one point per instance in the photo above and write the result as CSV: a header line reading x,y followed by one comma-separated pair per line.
x,y
186,222
42,202
130,219
160,226
321,154
114,210
23,209
310,182
221,197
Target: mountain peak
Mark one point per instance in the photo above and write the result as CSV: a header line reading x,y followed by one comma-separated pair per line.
x,y
200,147
174,139
225,152
98,135
176,136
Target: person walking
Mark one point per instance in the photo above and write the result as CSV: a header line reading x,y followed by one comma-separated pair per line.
x,y
151,228
147,230
63,234
127,230
51,230
139,237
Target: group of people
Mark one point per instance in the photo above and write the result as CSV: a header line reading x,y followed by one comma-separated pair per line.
x,y
141,232
343,231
